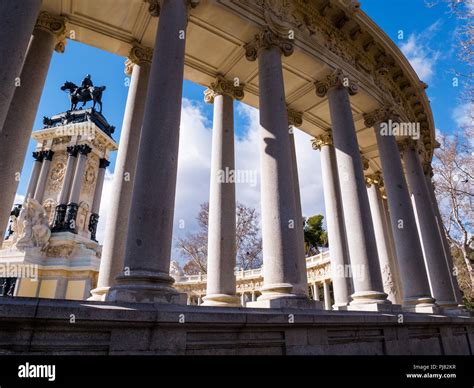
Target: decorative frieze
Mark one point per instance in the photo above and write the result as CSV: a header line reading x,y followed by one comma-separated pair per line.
x,y
55,25
334,80
222,86
266,39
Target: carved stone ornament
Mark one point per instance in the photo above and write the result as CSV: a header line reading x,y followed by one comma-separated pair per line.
x,y
30,228
409,144
322,140
138,54
379,116
374,179
266,39
222,86
295,118
335,80
57,173
55,25
154,6
365,162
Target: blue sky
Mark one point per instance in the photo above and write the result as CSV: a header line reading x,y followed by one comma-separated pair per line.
x,y
428,42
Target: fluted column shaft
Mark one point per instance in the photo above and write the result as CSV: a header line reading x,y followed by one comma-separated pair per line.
x,y
35,172
442,234
94,217
43,176
221,282
303,285
17,19
149,238
60,211
335,221
281,270
367,280
112,260
73,202
416,291
386,261
18,124
436,264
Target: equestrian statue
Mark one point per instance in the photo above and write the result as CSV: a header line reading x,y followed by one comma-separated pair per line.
x,y
84,93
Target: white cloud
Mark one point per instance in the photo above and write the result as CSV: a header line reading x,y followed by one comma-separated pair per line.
x,y
463,115
419,54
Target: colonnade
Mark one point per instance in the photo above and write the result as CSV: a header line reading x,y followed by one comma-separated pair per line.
x,y
393,247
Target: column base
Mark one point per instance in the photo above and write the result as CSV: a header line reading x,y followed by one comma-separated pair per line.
x,y
221,300
371,301
425,305
145,287
340,306
99,294
286,302
455,311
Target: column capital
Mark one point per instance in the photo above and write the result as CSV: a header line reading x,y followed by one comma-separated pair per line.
x,y
380,115
48,155
72,151
221,86
103,163
428,169
374,179
55,25
138,55
38,156
154,6
295,118
365,162
409,144
322,140
266,39
334,80
84,149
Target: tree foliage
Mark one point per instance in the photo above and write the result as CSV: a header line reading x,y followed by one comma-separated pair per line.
x,y
193,247
314,234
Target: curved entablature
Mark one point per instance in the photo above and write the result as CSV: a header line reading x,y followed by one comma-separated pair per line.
x,y
326,35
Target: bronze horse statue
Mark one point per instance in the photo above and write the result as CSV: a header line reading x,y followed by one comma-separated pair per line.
x,y
84,94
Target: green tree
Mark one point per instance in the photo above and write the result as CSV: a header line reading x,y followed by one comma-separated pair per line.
x,y
314,234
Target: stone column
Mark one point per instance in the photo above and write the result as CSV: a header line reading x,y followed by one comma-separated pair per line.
x,y
60,211
281,271
113,252
416,290
43,176
438,271
254,296
146,275
16,131
327,295
316,291
427,169
73,203
17,20
35,172
335,221
362,248
295,119
221,283
94,217
386,261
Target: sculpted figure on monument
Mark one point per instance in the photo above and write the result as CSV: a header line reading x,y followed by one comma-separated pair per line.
x,y
30,228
